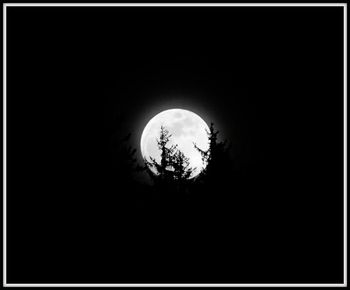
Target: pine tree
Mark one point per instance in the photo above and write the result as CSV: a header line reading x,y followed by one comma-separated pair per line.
x,y
181,164
173,165
216,157
164,171
126,165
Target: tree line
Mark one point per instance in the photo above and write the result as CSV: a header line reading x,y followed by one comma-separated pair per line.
x,y
173,169
172,174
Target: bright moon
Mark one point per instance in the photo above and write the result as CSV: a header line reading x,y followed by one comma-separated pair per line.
x,y
185,128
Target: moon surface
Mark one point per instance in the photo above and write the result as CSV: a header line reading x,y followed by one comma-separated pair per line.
x,y
185,128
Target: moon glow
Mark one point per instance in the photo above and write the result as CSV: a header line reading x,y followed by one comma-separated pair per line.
x,y
185,128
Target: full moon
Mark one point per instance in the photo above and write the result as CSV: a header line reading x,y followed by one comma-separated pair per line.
x,y
185,127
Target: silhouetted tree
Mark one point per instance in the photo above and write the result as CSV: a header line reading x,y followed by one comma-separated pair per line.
x,y
126,164
216,157
164,169
173,166
181,164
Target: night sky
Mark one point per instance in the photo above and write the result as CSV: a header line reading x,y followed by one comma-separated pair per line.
x,y
271,80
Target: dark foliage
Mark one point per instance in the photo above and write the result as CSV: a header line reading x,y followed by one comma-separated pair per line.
x,y
173,172
216,158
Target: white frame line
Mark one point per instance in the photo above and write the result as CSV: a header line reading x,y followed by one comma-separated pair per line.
x,y
345,61
5,5
177,4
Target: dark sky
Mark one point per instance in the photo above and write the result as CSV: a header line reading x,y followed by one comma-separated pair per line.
x,y
258,74
269,78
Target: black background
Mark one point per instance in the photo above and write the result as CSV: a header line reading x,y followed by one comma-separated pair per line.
x,y
270,78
